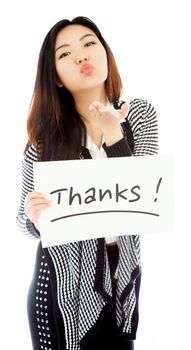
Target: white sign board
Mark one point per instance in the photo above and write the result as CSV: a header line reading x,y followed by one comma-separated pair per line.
x,y
92,198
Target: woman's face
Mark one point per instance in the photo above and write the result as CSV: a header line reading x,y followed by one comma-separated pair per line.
x,y
75,46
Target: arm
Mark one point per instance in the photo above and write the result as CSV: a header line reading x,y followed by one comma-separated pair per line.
x,y
144,124
27,185
145,129
120,148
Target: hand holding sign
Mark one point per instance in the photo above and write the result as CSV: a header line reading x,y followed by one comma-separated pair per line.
x,y
35,202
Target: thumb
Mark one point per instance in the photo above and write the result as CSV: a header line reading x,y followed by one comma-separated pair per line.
x,y
124,110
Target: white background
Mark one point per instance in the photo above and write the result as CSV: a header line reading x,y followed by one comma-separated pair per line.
x,y
151,43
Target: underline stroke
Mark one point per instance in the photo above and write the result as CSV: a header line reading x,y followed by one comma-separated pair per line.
x,y
105,211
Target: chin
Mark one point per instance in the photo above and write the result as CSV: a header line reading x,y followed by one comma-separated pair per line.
x,y
87,86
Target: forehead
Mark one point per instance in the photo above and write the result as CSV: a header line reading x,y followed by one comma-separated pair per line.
x,y
71,33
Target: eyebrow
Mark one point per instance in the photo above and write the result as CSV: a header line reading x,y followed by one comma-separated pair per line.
x,y
66,45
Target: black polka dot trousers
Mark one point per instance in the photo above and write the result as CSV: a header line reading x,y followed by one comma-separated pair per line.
x,y
45,320
40,307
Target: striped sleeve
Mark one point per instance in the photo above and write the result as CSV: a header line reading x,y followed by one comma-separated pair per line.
x,y
27,185
119,149
144,124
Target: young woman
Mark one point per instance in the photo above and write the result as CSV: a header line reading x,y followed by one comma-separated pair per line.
x,y
83,295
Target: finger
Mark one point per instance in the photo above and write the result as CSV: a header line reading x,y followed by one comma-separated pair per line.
x,y
34,195
35,211
37,208
95,106
124,110
101,110
36,202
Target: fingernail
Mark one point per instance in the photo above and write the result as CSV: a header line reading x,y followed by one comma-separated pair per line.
x,y
92,108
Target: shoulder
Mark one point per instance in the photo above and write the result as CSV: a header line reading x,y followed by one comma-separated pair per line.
x,y
140,112
140,107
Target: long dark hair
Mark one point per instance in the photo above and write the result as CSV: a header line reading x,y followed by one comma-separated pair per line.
x,y
53,125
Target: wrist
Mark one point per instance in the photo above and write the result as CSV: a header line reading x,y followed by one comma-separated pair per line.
x,y
113,137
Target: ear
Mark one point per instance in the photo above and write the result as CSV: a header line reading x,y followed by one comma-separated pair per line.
x,y
59,84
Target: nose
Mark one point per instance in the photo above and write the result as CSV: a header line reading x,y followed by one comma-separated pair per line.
x,y
79,60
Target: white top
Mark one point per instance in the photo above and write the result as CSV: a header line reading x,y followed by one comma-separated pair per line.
x,y
99,153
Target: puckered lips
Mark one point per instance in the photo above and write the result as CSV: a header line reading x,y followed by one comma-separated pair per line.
x,y
87,68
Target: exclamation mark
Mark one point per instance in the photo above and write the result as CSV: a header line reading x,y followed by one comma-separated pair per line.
x,y
157,189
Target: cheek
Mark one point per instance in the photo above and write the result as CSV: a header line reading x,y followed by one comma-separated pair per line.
x,y
104,68
106,63
64,73
102,59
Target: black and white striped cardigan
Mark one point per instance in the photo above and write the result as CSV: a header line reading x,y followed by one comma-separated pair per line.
x,y
80,272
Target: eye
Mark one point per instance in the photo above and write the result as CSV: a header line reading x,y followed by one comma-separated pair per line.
x,y
90,43
64,54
